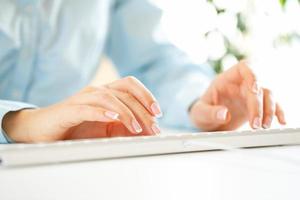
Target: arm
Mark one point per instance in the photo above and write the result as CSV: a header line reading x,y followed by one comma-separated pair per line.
x,y
5,108
137,48
121,108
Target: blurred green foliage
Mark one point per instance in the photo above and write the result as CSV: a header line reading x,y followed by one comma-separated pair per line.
x,y
286,39
232,50
283,2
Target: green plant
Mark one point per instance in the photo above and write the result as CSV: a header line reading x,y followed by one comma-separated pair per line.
x,y
231,49
242,27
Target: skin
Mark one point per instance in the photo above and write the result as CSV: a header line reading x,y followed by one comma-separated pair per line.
x,y
234,98
127,108
122,108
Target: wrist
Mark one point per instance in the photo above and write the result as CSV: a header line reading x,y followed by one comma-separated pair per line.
x,y
15,124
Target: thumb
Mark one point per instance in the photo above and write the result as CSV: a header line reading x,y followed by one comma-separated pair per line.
x,y
209,117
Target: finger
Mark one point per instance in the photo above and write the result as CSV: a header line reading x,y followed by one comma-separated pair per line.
x,y
280,114
147,120
102,97
82,113
269,108
119,130
209,117
254,94
255,108
242,72
134,87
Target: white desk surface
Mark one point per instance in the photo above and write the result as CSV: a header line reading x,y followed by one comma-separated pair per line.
x,y
266,173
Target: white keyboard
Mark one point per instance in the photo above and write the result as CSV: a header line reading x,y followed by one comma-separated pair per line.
x,y
108,148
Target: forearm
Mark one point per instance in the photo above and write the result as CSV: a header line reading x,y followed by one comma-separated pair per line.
x,y
7,110
11,125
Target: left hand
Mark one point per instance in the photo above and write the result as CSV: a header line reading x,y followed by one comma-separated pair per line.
x,y
233,98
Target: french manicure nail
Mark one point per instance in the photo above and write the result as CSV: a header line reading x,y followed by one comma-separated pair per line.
x,y
136,126
156,110
267,123
111,115
282,119
155,128
256,123
222,114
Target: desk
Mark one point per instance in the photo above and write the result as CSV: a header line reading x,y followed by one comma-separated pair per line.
x,y
266,173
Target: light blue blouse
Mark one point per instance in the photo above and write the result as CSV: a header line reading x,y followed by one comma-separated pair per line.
x,y
50,49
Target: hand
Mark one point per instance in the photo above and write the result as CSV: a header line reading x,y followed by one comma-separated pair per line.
x,y
233,98
122,108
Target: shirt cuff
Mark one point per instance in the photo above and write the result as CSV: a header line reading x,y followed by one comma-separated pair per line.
x,y
9,106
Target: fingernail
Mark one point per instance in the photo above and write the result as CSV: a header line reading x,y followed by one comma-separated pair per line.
x,y
156,110
255,88
111,115
267,123
155,128
222,113
136,126
256,123
282,119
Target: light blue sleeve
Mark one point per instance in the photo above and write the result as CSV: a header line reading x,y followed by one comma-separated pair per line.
x,y
8,106
137,48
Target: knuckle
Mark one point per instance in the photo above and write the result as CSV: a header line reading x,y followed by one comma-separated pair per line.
x,y
131,79
101,89
268,92
245,66
81,109
269,112
104,96
125,116
128,96
94,98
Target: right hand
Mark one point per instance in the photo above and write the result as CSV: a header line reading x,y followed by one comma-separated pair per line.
x,y
122,108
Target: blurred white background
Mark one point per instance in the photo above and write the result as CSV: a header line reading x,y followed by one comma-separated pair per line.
x,y
221,32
